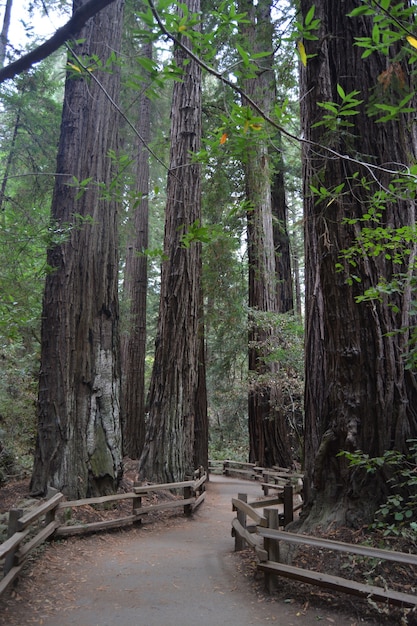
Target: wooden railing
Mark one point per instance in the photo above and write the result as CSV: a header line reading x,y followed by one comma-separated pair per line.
x,y
270,478
29,530
264,538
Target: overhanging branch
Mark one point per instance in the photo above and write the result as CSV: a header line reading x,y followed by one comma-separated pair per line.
x,y
371,167
69,30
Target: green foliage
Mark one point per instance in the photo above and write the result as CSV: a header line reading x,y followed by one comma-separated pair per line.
x,y
197,232
280,341
397,515
307,29
392,21
18,386
337,115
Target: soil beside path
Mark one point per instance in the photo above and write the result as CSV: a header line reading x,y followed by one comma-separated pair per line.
x,y
184,574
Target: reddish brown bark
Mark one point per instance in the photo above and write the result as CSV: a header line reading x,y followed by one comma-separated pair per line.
x,y
358,393
78,447
168,453
268,432
135,291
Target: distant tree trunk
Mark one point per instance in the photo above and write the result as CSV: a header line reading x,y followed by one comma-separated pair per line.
x,y
168,453
8,164
78,448
285,294
358,393
297,282
4,35
135,290
268,433
4,40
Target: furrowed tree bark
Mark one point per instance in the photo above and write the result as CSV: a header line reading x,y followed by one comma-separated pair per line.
x,y
285,291
268,432
168,453
135,291
78,448
358,394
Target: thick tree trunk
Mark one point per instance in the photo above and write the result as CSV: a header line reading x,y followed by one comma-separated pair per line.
x,y
78,447
168,453
135,290
268,433
358,393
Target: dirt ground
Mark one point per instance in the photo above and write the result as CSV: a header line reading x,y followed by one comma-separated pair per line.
x,y
174,571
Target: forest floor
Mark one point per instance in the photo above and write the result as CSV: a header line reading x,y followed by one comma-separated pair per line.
x,y
176,571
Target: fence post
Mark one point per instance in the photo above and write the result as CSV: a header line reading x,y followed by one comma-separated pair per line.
x,y
14,515
136,505
226,468
265,479
50,516
272,548
188,509
288,504
241,517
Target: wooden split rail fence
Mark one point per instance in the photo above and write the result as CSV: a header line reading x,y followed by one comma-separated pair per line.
x,y
28,530
264,537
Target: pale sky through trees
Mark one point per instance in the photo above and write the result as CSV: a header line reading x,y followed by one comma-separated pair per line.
x,y
24,26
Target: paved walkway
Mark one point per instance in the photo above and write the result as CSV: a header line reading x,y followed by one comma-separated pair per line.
x,y
182,575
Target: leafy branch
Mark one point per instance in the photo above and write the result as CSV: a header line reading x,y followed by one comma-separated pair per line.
x,y
371,167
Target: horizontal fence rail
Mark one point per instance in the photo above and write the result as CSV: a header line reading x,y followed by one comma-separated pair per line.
x,y
28,530
264,537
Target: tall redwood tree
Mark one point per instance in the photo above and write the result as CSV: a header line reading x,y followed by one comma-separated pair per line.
x,y
268,432
359,394
135,289
78,449
176,387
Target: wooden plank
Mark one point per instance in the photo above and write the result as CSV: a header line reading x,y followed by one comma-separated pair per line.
x,y
198,483
199,500
234,470
339,546
250,512
9,578
165,486
39,538
97,500
257,504
250,539
339,584
165,506
79,529
40,510
11,543
240,464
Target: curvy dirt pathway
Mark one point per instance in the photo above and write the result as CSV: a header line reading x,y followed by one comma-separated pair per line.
x,y
184,574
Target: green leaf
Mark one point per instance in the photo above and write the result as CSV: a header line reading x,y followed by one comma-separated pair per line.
x,y
244,55
310,15
362,10
341,91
